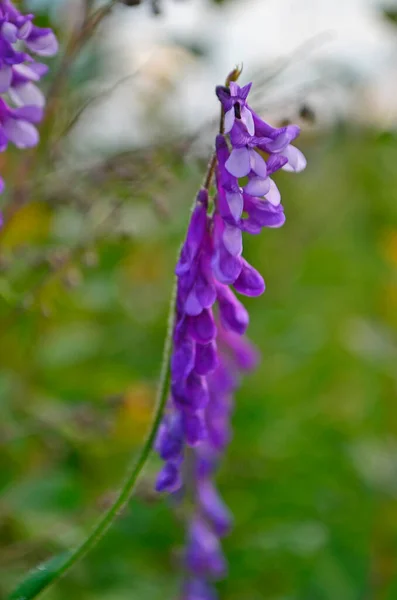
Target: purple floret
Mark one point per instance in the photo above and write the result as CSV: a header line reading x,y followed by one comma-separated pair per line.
x,y
19,74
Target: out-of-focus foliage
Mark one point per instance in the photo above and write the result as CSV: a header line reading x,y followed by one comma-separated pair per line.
x,y
310,475
86,274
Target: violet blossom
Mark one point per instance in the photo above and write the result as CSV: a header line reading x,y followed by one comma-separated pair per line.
x,y
19,74
210,351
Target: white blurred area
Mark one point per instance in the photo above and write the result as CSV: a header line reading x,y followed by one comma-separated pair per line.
x,y
337,56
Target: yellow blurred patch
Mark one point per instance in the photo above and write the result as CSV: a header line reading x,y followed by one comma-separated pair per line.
x,y
389,246
30,224
147,264
134,415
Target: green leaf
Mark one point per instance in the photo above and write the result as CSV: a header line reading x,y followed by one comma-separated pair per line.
x,y
40,577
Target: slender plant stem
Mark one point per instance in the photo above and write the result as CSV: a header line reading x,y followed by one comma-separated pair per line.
x,y
135,470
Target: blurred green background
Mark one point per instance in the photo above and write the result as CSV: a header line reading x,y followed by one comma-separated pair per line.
x,y
311,474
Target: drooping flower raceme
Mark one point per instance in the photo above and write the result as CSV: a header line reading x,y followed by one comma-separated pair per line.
x,y
210,351
21,101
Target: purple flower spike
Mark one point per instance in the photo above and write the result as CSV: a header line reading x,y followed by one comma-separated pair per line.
x,y
19,74
210,352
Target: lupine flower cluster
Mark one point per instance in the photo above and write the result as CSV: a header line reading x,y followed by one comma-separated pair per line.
x,y
209,348
21,101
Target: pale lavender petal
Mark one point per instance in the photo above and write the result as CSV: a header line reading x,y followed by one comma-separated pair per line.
x,y
27,94
34,71
234,88
296,160
21,133
5,78
238,163
229,120
44,45
258,186
257,163
235,203
248,120
25,30
245,90
233,240
273,196
9,32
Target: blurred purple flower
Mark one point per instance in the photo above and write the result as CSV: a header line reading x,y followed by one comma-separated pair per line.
x,y
19,74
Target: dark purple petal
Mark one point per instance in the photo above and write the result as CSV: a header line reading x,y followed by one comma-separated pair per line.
x,y
196,392
233,314
275,162
249,282
194,427
170,438
206,358
261,214
202,328
182,360
33,114
225,266
224,97
169,478
195,234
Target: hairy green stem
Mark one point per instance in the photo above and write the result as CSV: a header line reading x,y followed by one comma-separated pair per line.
x,y
135,470
106,520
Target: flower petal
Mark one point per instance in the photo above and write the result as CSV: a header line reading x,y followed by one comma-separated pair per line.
x,y
27,94
296,160
238,163
248,120
257,186
21,133
249,282
229,120
5,78
257,163
233,240
273,196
